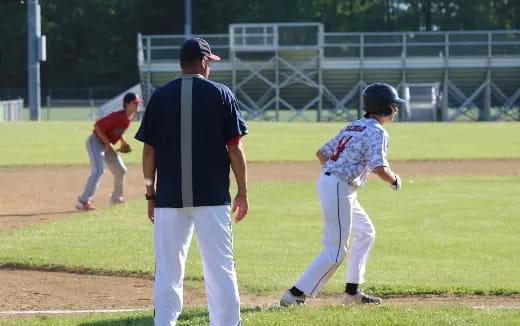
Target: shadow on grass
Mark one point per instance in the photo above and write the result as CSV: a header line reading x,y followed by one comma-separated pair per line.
x,y
193,316
73,270
127,321
37,214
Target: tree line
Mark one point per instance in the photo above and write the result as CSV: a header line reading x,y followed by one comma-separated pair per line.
x,y
93,42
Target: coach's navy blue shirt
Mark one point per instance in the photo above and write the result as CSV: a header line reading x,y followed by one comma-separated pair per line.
x,y
189,121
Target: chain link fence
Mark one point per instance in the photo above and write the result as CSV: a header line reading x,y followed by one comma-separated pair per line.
x,y
66,104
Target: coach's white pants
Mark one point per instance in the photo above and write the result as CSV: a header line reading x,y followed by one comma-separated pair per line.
x,y
173,230
342,216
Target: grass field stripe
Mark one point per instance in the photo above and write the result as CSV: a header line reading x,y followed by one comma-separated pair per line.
x,y
60,312
496,307
36,312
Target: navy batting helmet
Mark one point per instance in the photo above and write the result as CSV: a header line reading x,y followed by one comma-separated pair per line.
x,y
379,97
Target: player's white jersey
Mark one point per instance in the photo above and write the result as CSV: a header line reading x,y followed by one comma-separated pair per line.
x,y
356,150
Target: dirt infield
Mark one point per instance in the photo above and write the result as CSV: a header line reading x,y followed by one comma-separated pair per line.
x,y
32,195
63,291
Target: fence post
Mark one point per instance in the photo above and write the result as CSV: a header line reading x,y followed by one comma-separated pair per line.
x,y
48,104
92,106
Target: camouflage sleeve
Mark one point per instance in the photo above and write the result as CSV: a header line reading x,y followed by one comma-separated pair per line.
x,y
329,147
377,149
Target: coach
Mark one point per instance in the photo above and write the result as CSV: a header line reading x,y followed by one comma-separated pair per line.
x,y
192,131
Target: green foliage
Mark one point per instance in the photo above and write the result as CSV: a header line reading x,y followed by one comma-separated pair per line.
x,y
437,235
94,42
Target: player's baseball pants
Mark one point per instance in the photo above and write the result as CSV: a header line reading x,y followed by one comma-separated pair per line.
x,y
343,216
98,157
173,229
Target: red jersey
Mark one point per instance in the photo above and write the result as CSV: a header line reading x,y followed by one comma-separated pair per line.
x,y
114,125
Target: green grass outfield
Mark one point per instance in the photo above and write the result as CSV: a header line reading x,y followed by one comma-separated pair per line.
x,y
329,316
63,143
438,235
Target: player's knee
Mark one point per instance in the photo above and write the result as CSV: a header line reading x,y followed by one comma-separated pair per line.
x,y
370,236
342,253
372,233
121,171
336,255
98,172
340,258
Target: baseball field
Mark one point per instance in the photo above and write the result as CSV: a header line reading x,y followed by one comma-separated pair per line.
x,y
446,251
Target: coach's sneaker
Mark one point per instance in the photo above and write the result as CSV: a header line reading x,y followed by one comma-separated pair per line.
x,y
289,299
85,206
360,298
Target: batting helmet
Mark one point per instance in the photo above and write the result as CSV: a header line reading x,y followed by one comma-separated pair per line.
x,y
379,97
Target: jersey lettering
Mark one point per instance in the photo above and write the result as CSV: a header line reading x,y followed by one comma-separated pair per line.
x,y
356,128
341,146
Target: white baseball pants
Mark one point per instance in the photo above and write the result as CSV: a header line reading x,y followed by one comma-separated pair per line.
x,y
173,229
343,216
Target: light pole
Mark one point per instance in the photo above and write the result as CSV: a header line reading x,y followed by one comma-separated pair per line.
x,y
36,53
187,21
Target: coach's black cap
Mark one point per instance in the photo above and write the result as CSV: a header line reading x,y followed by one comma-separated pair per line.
x,y
196,48
131,97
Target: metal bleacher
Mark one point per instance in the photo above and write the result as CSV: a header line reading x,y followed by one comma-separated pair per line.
x,y
297,71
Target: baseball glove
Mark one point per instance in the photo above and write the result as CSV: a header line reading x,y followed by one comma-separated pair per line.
x,y
125,148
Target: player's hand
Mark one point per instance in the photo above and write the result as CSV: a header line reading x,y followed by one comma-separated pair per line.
x,y
240,205
396,185
109,148
125,148
151,207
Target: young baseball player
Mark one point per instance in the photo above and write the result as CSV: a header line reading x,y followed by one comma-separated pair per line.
x,y
100,149
346,160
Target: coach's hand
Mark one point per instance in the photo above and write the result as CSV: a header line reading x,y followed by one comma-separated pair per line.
x,y
151,207
240,205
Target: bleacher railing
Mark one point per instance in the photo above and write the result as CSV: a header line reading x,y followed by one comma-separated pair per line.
x,y
503,43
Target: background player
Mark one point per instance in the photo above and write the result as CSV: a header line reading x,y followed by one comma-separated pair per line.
x,y
346,161
100,149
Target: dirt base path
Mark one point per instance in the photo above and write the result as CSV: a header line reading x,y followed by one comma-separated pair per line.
x,y
34,290
38,194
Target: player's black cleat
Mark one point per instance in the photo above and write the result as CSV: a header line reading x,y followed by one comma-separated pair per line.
x,y
360,298
289,299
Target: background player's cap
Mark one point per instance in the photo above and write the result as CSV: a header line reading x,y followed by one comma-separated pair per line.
x,y
196,48
131,97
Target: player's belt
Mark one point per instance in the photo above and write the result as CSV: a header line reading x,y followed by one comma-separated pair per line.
x,y
349,183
